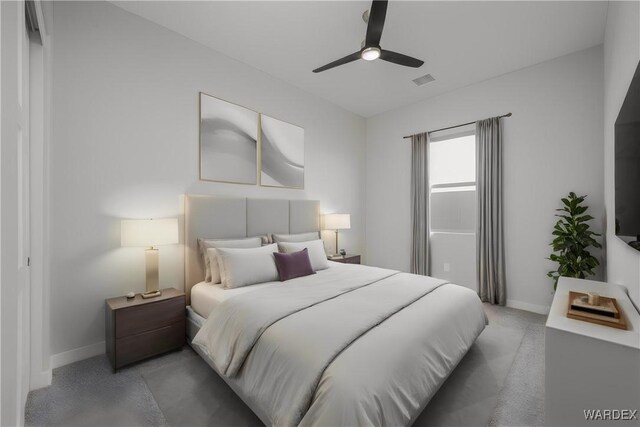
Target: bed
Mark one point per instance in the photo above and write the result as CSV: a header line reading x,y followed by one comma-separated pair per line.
x,y
350,345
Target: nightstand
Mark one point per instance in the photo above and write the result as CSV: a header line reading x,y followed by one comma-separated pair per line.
x,y
138,328
347,259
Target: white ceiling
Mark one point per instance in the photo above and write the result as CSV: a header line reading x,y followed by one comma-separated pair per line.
x,y
461,42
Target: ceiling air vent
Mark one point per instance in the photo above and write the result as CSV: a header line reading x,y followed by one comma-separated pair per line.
x,y
423,80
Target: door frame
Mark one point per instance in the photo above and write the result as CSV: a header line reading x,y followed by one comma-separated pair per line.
x,y
40,129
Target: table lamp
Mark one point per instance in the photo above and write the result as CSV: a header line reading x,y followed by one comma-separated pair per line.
x,y
149,233
337,222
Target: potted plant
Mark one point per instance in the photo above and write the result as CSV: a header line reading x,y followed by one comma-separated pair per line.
x,y
572,241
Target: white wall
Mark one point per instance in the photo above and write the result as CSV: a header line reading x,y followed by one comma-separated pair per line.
x,y
621,56
458,250
552,146
125,145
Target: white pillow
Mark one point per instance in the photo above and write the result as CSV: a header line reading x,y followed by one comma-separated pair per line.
x,y
300,237
315,248
212,274
244,267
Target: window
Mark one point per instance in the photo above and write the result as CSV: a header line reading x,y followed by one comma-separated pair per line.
x,y
452,180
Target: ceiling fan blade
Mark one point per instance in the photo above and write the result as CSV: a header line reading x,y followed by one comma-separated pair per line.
x,y
349,58
377,14
400,59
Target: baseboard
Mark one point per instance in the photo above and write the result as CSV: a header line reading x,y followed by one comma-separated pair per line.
x,y
40,380
77,354
540,309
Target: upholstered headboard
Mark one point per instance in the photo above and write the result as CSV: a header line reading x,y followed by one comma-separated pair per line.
x,y
220,218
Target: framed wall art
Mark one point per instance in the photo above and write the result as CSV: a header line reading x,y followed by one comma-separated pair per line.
x,y
228,141
281,153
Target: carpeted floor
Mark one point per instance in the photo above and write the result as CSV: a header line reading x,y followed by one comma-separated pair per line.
x,y
500,382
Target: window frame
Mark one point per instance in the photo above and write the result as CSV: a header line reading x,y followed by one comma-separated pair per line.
x,y
442,187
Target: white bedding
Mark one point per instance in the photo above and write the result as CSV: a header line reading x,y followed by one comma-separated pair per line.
x,y
351,346
205,296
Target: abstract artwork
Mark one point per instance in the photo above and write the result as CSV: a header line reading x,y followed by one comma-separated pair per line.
x,y
281,154
228,141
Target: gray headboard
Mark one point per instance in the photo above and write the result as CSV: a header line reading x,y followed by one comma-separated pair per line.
x,y
220,218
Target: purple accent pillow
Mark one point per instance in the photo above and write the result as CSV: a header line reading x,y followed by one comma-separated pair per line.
x,y
293,264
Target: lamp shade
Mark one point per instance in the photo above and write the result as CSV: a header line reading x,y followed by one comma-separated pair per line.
x,y
337,222
149,232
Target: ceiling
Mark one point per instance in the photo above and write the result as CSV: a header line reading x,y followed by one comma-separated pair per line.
x,y
461,42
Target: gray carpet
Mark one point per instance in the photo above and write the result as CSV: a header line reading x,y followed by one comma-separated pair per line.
x,y
190,393
87,393
521,402
470,394
500,382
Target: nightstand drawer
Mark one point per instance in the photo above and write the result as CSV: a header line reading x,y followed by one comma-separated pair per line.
x,y
137,347
147,317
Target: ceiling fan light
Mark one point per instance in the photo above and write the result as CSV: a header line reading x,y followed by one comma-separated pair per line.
x,y
370,53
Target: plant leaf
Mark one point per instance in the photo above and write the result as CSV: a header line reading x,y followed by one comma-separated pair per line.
x,y
572,240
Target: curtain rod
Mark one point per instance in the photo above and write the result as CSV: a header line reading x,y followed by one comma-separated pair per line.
x,y
456,126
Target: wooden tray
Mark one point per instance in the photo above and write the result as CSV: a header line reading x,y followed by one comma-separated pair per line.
x,y
617,322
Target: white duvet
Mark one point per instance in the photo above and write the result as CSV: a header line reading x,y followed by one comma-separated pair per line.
x,y
350,346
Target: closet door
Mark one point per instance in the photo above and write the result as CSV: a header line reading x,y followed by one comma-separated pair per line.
x,y
24,222
14,211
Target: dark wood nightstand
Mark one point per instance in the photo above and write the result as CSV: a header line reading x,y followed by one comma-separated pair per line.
x,y
347,259
138,328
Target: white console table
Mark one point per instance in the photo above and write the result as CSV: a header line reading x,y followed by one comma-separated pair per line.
x,y
589,366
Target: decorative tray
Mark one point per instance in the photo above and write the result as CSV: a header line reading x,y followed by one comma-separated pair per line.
x,y
606,313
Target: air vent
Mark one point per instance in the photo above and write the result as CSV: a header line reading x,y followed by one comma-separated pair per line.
x,y
427,78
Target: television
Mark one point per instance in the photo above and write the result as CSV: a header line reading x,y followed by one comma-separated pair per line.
x,y
627,166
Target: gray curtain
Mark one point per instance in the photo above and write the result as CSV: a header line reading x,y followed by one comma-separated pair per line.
x,y
420,204
490,229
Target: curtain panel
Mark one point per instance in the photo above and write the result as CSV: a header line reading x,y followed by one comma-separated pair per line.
x,y
420,204
490,228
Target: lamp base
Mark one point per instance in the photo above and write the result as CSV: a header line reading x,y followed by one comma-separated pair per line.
x,y
150,294
151,269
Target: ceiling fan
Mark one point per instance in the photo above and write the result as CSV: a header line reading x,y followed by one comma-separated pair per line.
x,y
371,46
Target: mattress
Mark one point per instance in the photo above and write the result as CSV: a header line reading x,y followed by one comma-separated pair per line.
x,y
205,296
